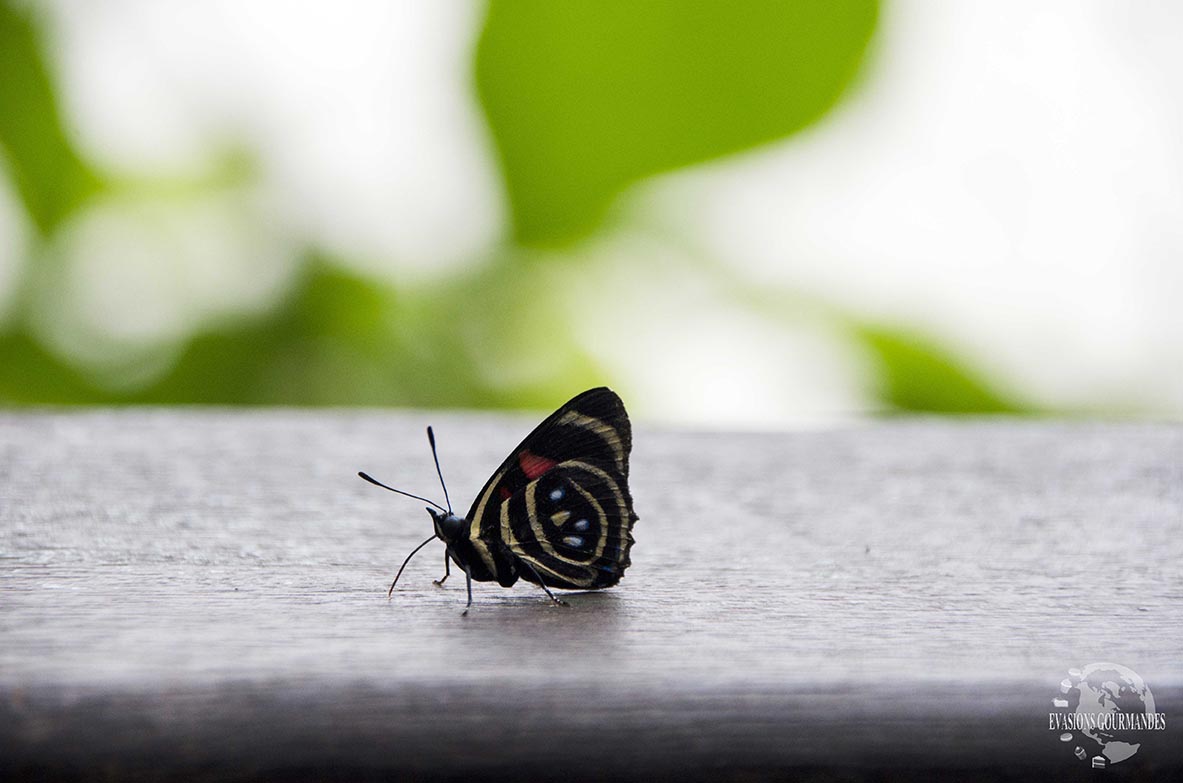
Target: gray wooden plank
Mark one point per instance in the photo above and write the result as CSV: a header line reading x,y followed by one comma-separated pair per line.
x,y
203,591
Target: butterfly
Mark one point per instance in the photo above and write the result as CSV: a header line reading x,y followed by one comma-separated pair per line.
x,y
556,513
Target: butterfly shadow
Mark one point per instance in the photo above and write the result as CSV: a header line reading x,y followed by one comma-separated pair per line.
x,y
589,608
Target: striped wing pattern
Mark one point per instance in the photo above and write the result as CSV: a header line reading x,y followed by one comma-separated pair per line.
x,y
560,501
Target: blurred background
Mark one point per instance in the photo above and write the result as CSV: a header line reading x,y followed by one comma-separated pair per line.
x,y
741,214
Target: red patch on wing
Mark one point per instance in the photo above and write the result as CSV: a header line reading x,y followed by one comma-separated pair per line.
x,y
533,465
504,493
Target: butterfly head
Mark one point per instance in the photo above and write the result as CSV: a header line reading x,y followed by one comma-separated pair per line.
x,y
448,527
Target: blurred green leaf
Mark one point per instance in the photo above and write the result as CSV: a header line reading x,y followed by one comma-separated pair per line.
x,y
30,375
915,374
584,98
50,176
344,340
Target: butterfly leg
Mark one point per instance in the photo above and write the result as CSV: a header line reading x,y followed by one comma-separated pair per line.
x,y
468,583
558,601
447,572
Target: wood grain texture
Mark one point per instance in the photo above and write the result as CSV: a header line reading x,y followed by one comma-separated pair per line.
x,y
201,593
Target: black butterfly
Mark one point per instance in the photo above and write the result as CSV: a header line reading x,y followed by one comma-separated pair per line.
x,y
556,513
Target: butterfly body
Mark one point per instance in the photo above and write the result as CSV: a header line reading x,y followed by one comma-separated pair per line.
x,y
557,512
453,531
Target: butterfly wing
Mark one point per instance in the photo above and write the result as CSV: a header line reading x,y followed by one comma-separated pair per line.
x,y
560,501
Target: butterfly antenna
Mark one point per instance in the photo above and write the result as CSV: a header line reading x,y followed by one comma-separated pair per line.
x,y
378,483
404,565
431,440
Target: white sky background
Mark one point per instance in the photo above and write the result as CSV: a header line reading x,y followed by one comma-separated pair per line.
x,y
371,140
1008,178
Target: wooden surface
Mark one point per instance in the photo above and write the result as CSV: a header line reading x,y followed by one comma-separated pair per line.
x,y
203,593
